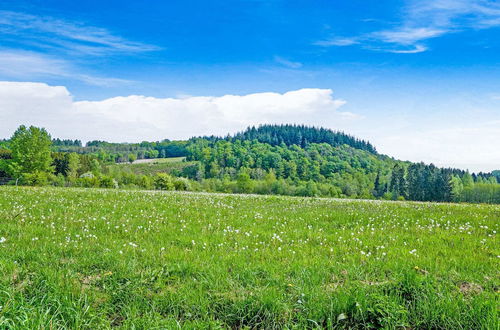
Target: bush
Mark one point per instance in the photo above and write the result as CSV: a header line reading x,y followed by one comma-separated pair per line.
x,y
58,180
87,180
182,184
163,181
107,182
36,178
146,182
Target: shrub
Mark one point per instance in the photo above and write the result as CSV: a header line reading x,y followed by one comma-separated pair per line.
x,y
107,182
163,181
37,178
182,184
58,180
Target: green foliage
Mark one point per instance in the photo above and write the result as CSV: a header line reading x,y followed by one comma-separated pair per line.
x,y
163,181
119,152
5,154
182,184
174,166
107,182
35,178
132,158
301,135
272,159
398,185
467,180
351,170
457,188
31,159
481,193
73,165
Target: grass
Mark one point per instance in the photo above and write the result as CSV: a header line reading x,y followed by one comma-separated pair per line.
x,y
151,167
87,258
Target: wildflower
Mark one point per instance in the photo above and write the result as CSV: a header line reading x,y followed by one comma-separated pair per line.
x,y
2,239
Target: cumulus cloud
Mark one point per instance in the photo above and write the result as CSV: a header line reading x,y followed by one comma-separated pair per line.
x,y
136,117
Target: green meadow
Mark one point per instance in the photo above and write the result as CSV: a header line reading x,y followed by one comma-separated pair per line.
x,y
101,258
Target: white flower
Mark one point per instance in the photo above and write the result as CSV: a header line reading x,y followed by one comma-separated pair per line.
x,y
2,239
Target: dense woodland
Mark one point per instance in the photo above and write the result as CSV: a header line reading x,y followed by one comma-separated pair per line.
x,y
270,159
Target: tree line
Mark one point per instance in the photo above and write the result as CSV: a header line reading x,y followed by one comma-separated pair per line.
x,y
262,160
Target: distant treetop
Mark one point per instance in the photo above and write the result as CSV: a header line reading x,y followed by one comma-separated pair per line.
x,y
301,135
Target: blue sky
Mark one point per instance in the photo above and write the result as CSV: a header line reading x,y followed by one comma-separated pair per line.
x,y
398,70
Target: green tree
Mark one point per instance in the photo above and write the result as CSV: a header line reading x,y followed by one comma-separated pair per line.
x,y
398,184
467,180
163,181
31,155
244,183
492,180
132,158
73,165
456,188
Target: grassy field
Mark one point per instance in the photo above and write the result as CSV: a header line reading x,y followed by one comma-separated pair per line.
x,y
153,166
75,258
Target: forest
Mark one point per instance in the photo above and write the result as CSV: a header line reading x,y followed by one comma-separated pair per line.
x,y
291,160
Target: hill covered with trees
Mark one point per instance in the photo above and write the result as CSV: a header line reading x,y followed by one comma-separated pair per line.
x,y
270,159
299,135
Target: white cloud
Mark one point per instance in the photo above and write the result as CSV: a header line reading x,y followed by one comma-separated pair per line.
x,y
136,118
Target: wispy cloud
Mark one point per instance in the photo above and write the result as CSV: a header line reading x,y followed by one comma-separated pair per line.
x,y
422,20
74,37
337,42
46,47
287,63
407,36
415,50
16,64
